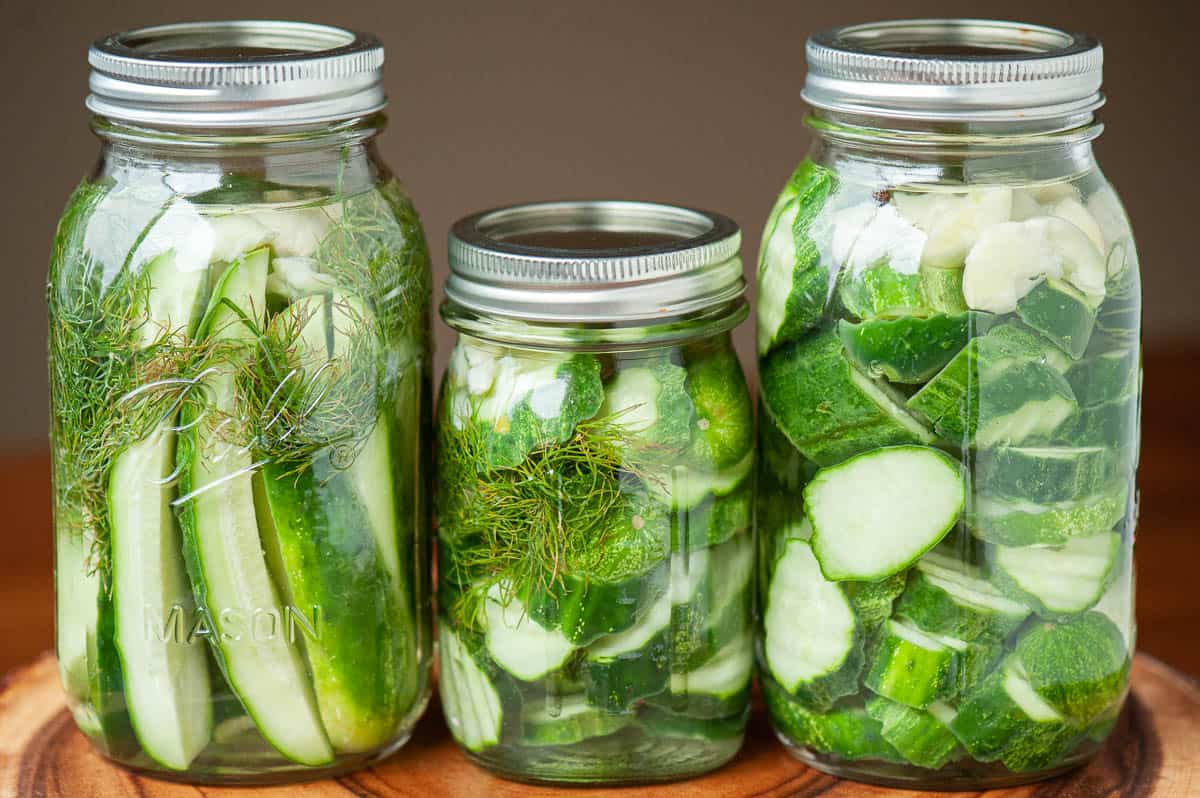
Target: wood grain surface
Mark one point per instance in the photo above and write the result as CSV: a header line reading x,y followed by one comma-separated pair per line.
x,y
1154,751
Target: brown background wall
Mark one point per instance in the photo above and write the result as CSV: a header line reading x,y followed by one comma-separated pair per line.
x,y
693,102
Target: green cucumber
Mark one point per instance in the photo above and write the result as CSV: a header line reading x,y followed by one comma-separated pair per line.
x,y
1113,424
1060,312
685,486
876,513
721,686
603,588
827,408
518,643
793,284
713,521
1044,473
943,289
910,349
659,722
881,292
1059,581
813,643
916,668
470,702
921,736
1106,377
222,546
946,596
165,682
652,405
845,730
621,668
105,716
721,608
724,426
567,720
1005,719
872,601
1079,667
1017,522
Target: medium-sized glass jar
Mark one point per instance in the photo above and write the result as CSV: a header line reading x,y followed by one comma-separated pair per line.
x,y
241,406
950,373
595,454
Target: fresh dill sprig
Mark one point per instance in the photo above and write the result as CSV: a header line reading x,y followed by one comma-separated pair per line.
x,y
108,389
522,527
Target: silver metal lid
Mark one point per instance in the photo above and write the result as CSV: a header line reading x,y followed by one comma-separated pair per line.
x,y
232,74
954,70
594,261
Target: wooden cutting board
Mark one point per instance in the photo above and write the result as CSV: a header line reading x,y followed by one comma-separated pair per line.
x,y
1154,751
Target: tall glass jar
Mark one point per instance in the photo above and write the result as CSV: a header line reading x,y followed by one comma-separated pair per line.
x,y
595,450
949,322
241,405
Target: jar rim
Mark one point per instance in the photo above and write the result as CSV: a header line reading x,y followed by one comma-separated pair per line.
x,y
954,70
594,261
236,74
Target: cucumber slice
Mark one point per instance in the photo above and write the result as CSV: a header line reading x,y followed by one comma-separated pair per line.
x,y
721,609
943,289
793,285
911,349
165,681
1004,718
222,546
881,292
1016,522
1061,313
1080,668
659,722
724,427
651,404
813,644
921,736
1000,388
1107,377
1117,603
566,720
518,643
876,513
1111,424
721,686
105,715
470,701
1044,473
713,521
872,601
945,596
846,730
828,409
635,663
915,668
1059,581
685,486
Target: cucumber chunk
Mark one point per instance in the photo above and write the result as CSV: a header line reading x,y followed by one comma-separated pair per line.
x,y
721,609
921,736
222,547
1043,473
1005,719
724,427
872,601
911,349
881,292
845,730
661,722
518,643
943,289
876,513
828,409
686,486
1001,388
1079,667
1061,313
1059,581
945,596
1106,377
471,703
636,662
813,644
713,521
793,285
651,404
915,668
1017,522
721,686
566,720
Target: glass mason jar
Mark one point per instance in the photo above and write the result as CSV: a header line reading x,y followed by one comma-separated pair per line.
x,y
595,454
241,411
949,323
